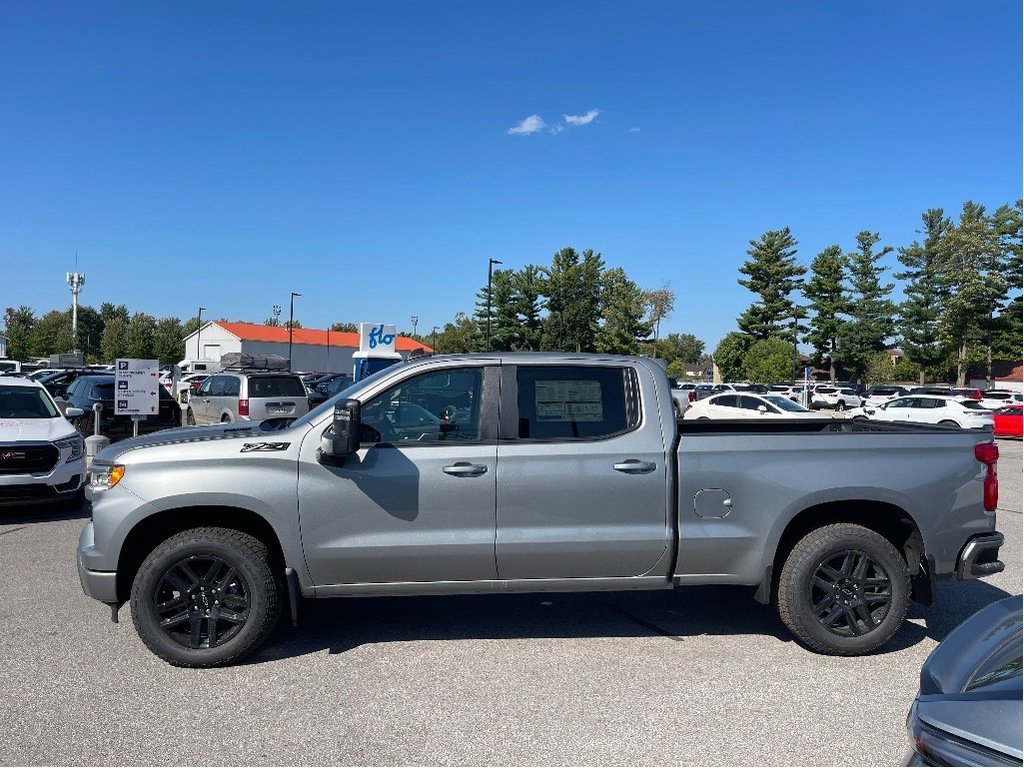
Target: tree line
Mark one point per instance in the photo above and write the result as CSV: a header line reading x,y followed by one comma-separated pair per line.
x,y
961,303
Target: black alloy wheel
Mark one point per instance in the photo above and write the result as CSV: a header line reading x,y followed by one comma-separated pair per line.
x,y
851,593
844,589
201,602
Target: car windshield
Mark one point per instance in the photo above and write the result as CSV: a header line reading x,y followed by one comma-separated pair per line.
x,y
25,403
276,386
785,404
1008,411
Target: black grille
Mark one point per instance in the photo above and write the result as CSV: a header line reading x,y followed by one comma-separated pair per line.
x,y
21,459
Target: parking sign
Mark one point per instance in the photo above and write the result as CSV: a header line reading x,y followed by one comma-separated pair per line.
x,y
137,387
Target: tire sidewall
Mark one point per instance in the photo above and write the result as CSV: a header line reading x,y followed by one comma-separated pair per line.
x,y
226,545
794,593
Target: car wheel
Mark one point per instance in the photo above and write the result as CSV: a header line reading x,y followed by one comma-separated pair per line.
x,y
205,597
949,423
225,419
85,424
860,418
190,418
841,405
843,590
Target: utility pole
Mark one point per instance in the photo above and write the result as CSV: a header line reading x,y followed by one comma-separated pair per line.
x,y
199,334
76,281
490,270
433,339
415,320
276,309
291,322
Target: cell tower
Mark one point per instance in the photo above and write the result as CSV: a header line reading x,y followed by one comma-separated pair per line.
x,y
76,281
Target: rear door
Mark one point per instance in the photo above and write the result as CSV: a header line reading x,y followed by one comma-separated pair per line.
x,y
275,396
582,478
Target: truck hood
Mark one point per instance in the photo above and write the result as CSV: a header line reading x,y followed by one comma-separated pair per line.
x,y
243,431
34,430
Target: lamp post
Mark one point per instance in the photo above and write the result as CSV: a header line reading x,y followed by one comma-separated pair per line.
x,y
433,339
291,322
490,272
199,334
415,320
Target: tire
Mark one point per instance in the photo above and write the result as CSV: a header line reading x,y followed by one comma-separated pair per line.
x,y
225,419
844,590
85,425
841,405
948,423
205,597
190,418
860,418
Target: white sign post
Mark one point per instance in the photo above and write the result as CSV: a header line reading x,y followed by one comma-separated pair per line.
x,y
136,389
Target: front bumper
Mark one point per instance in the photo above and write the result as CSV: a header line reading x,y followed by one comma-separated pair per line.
x,y
980,557
99,585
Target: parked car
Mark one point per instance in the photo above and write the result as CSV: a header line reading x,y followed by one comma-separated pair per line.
x,y
836,398
744,405
879,393
87,390
321,392
188,385
231,396
997,398
1007,421
972,393
42,457
929,409
968,708
57,383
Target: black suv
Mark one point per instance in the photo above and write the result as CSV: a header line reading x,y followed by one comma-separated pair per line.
x,y
89,389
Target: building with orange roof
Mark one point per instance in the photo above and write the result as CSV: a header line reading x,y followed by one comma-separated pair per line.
x,y
311,349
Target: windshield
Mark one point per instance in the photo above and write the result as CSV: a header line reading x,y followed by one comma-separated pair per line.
x,y
328,404
25,403
785,404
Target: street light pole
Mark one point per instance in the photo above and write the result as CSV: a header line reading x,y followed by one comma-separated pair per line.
x,y
415,320
291,322
490,271
199,335
433,339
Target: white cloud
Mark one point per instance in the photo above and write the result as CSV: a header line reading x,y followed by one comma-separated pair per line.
x,y
586,119
532,124
634,129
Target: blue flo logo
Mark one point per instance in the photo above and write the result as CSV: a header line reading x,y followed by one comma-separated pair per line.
x,y
379,338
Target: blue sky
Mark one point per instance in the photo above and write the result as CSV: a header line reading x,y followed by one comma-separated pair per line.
x,y
373,155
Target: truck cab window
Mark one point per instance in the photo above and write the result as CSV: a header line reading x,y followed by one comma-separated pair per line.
x,y
434,407
568,402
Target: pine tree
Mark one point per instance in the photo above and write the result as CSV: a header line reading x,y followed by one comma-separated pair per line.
x,y
528,291
574,296
827,299
871,311
622,311
919,312
774,275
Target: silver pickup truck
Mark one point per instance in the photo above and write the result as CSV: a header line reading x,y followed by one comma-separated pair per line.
x,y
530,472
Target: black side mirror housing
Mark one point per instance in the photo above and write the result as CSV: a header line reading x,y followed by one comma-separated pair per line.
x,y
342,437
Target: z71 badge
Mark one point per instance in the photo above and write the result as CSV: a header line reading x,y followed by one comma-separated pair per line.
x,y
251,447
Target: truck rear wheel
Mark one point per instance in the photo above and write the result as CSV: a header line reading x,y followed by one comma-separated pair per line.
x,y
205,597
844,590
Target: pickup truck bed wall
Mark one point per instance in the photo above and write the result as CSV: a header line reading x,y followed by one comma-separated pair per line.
x,y
537,472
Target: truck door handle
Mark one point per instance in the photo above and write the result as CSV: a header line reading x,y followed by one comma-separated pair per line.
x,y
635,467
464,469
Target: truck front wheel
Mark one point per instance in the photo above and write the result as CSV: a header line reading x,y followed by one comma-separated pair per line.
x,y
205,597
844,590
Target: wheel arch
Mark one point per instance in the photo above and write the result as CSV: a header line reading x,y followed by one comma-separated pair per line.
x,y
152,530
887,519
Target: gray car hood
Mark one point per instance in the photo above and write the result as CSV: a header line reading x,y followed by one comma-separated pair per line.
x,y
245,430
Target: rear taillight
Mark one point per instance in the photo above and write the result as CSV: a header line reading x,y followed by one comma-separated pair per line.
x,y
692,397
988,454
243,407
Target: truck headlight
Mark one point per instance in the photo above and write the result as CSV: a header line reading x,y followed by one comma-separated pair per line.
x,y
102,477
74,446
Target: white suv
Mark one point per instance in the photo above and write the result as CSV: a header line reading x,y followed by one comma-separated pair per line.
x,y
838,398
42,457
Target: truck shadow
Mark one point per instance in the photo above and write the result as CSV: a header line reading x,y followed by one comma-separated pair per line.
x,y
43,513
338,626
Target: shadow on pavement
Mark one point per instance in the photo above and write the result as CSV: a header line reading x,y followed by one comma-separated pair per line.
x,y
43,513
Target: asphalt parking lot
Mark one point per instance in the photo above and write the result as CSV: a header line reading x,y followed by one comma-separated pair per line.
x,y
695,676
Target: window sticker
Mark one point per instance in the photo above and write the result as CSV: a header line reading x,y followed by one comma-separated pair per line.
x,y
562,400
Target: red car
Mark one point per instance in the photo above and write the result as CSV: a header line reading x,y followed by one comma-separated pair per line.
x,y
1007,422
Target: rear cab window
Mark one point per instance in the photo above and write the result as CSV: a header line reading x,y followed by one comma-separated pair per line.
x,y
576,403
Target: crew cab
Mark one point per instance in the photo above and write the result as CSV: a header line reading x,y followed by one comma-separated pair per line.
x,y
530,472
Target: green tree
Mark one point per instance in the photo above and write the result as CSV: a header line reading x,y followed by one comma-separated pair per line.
x,y
142,337
975,281
729,355
827,300
505,330
115,338
529,286
90,332
681,348
52,334
768,360
574,297
659,304
918,318
345,327
460,335
773,274
622,312
871,310
168,341
19,324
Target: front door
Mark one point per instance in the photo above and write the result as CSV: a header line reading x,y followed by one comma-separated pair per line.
x,y
416,503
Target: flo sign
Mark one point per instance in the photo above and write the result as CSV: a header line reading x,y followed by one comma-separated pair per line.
x,y
136,387
376,339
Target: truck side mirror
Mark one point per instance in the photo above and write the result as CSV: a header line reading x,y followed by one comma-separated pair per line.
x,y
342,437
